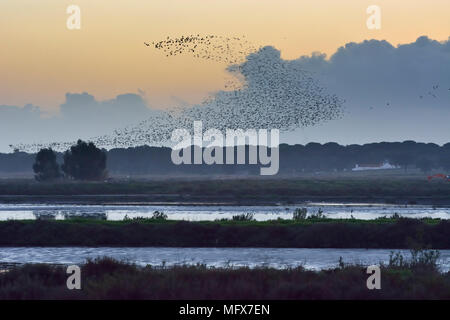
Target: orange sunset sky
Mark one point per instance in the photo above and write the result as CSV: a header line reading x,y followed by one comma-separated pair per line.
x,y
41,60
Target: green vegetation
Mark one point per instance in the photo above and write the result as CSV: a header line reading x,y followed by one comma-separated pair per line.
x,y
243,217
156,216
84,161
109,279
410,190
313,159
313,232
300,214
45,166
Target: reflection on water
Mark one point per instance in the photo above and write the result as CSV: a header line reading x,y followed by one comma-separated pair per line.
x,y
315,259
196,213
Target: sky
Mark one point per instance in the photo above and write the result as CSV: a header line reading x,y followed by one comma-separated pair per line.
x,y
50,75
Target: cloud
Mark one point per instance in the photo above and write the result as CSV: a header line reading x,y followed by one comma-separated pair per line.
x,y
376,72
18,124
392,93
276,95
99,116
80,116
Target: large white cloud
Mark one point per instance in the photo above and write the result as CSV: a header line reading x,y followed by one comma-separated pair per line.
x,y
376,72
392,93
80,116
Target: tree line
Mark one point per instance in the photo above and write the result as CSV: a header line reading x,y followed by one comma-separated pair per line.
x,y
84,161
294,159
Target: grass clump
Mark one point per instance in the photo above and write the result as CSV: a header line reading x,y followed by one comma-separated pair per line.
x,y
156,216
420,258
106,278
300,214
159,215
244,217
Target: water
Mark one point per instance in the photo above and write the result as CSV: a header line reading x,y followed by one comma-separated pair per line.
x,y
197,213
314,259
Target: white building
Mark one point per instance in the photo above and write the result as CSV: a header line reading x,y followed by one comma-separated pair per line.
x,y
381,166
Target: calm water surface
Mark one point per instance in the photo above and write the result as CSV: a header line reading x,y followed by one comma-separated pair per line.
x,y
314,259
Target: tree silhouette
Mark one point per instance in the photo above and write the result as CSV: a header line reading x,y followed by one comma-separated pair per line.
x,y
445,163
45,166
403,159
84,161
425,165
295,159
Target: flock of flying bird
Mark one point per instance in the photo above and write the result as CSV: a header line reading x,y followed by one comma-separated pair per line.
x,y
432,93
218,48
276,95
273,94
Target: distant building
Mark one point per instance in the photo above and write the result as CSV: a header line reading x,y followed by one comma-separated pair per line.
x,y
380,166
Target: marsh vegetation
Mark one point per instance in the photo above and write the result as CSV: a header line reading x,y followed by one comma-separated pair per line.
x,y
105,278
